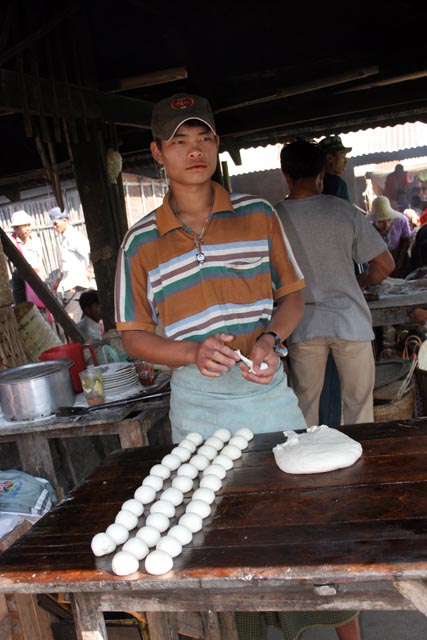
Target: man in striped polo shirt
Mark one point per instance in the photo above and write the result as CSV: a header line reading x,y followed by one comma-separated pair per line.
x,y
215,271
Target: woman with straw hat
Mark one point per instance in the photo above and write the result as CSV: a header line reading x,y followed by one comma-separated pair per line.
x,y
394,228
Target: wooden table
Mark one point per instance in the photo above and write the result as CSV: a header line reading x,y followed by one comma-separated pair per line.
x,y
355,538
396,309
131,423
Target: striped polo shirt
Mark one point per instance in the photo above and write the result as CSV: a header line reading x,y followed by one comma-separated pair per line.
x,y
248,264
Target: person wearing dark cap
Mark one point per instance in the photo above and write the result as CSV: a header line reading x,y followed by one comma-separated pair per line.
x,y
209,268
75,251
336,161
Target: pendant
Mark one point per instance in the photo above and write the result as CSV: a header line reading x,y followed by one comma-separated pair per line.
x,y
200,257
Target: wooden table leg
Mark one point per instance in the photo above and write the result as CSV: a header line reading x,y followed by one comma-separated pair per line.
x,y
36,459
133,433
161,625
88,618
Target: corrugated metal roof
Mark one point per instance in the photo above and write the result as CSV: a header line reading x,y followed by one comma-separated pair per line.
x,y
379,140
386,139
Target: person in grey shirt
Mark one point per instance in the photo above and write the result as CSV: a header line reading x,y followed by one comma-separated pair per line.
x,y
328,235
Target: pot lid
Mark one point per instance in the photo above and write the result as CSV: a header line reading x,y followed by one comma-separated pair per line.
x,y
34,370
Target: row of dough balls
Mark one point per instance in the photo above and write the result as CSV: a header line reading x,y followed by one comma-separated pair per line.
x,y
213,459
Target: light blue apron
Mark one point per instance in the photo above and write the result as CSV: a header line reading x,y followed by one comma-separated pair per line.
x,y
203,404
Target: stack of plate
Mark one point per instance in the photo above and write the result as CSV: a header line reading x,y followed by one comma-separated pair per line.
x,y
118,377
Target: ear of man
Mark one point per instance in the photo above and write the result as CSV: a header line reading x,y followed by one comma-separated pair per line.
x,y
156,152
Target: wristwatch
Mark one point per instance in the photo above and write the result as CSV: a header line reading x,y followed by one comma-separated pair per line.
x,y
277,340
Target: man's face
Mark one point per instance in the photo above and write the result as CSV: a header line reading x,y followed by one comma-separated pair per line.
x,y
23,231
190,157
60,225
336,162
383,226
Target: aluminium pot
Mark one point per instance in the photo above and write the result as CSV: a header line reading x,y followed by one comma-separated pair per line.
x,y
33,391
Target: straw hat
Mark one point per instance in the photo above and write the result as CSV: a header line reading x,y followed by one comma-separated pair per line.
x,y
19,218
381,210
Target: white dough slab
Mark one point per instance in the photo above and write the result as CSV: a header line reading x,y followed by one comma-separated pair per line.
x,y
317,450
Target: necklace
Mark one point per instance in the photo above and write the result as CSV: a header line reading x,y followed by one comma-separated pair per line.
x,y
197,237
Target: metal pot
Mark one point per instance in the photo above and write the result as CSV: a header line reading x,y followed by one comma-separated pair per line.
x,y
35,390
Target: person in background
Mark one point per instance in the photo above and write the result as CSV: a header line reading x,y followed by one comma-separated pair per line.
x,y
75,255
28,243
328,235
396,185
335,164
419,246
91,325
394,228
333,185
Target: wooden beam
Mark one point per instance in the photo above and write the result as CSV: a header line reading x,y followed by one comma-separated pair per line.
x,y
306,87
68,101
148,79
29,275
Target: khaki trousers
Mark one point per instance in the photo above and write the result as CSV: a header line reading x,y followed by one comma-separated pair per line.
x,y
356,369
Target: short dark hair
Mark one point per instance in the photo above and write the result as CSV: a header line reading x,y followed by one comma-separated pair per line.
x,y
302,159
88,298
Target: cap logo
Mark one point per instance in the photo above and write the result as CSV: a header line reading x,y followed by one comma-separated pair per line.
x,y
182,103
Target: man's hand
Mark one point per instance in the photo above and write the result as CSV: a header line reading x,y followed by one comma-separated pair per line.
x,y
262,351
214,356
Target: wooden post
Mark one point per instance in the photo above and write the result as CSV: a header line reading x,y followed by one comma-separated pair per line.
x,y
104,211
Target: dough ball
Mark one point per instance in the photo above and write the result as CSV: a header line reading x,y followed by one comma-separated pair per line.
x,y
216,470
149,534
224,461
181,533
197,438
199,507
189,470
199,461
188,444
223,434
211,482
158,521
182,453
127,519
182,483
232,451
124,563
169,545
208,451
163,506
133,505
153,481
245,432
239,441
214,441
158,562
160,470
145,494
171,461
102,543
137,547
173,495
192,521
202,493
118,532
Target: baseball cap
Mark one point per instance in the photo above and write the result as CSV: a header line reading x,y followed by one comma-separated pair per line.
x,y
333,144
170,113
19,218
57,214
